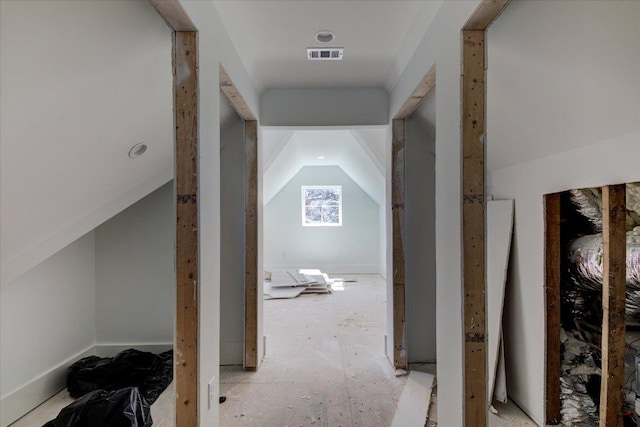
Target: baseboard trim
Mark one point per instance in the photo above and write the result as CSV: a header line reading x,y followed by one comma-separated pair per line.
x,y
24,399
111,349
19,402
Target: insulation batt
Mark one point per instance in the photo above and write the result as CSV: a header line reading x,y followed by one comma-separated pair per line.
x,y
585,268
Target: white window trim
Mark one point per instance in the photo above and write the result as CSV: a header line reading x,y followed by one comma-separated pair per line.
x,y
303,206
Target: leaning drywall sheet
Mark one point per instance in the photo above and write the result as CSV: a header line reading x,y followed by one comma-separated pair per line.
x,y
413,405
499,230
500,388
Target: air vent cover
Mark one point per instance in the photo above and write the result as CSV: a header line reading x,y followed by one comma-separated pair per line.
x,y
325,54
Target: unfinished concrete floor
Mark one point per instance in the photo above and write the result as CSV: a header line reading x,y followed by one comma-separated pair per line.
x,y
325,363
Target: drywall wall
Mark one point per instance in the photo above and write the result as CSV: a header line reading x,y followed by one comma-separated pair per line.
x,y
47,320
352,248
569,120
215,48
232,232
82,82
135,273
324,107
419,241
442,46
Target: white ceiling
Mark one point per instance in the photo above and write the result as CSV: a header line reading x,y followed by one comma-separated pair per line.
x,y
378,38
357,152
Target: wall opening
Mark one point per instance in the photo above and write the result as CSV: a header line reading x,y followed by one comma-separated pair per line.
x,y
592,250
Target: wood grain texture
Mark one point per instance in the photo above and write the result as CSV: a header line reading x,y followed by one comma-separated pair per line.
x,y
552,254
473,229
397,207
419,93
187,248
235,98
614,247
251,245
485,14
173,14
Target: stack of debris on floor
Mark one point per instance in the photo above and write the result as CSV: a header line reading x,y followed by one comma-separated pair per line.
x,y
298,282
581,301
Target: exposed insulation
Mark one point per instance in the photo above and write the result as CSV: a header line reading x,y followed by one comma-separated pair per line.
x,y
585,265
588,202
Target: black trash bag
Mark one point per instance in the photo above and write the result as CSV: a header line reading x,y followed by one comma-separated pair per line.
x,y
121,408
151,373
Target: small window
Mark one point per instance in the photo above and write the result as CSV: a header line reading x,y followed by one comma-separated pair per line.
x,y
321,205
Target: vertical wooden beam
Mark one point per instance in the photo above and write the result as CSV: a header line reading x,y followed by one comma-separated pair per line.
x,y
185,50
473,228
552,304
397,207
251,245
614,247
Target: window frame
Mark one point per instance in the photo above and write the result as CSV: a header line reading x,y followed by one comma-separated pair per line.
x,y
303,204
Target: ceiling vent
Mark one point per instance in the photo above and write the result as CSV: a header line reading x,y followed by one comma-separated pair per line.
x,y
325,54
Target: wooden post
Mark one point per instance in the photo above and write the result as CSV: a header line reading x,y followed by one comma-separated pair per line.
x,y
552,304
614,246
187,249
473,209
397,202
251,245
473,228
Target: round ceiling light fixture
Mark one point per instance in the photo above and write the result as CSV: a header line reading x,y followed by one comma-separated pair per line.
x,y
138,150
320,157
324,36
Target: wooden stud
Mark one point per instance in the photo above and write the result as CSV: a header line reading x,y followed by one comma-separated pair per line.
x,y
251,245
614,286
419,93
485,14
473,228
235,98
173,14
552,304
250,357
397,207
187,249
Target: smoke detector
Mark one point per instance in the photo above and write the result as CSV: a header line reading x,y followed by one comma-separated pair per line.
x,y
325,54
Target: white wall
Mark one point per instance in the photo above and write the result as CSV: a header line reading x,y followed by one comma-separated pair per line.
x,y
215,49
563,112
232,232
47,321
324,107
81,83
135,273
352,248
441,46
419,241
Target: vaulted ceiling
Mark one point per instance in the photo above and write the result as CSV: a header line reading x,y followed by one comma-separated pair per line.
x,y
360,153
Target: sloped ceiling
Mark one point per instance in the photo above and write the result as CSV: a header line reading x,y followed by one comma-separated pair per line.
x,y
101,84
378,38
359,153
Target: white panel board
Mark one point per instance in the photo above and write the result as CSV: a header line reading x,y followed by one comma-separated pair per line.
x,y
499,230
413,405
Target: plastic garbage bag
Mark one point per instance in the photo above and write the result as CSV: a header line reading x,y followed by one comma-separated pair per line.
x,y
150,372
121,408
